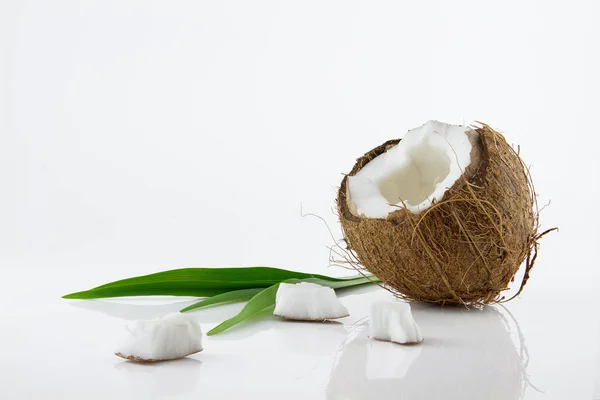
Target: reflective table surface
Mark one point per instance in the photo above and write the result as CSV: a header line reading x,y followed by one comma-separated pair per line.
x,y
543,345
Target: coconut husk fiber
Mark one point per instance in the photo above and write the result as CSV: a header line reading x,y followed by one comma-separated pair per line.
x,y
464,249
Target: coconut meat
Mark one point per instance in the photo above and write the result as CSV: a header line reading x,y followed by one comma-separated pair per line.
x,y
413,173
393,322
308,301
173,336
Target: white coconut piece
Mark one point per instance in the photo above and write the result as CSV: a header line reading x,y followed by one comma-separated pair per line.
x,y
307,301
393,322
170,337
414,173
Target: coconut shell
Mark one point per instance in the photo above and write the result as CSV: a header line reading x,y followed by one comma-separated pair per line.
x,y
464,249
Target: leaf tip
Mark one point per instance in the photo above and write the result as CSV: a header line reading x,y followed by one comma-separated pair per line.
x,y
79,295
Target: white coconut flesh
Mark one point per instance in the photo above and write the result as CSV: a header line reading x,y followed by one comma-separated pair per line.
x,y
306,301
412,174
173,336
393,322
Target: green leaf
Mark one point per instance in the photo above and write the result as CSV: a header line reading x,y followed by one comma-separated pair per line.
x,y
223,298
352,281
200,282
264,302
156,289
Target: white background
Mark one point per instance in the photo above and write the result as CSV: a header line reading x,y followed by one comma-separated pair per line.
x,y
138,136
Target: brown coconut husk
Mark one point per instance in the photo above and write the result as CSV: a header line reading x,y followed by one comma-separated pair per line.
x,y
464,249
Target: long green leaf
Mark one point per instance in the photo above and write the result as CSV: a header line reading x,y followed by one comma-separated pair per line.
x,y
155,289
200,282
264,302
223,298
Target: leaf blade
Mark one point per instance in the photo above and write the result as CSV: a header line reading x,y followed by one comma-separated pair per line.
x,y
201,282
355,281
145,290
260,303
265,300
216,275
223,298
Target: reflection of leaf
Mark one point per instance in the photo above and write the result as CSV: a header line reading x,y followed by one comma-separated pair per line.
x,y
199,282
264,302
229,297
129,311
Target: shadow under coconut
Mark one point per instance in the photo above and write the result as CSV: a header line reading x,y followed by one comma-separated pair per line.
x,y
466,355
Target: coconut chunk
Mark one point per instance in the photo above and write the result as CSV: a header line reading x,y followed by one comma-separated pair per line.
x,y
393,322
307,301
173,336
413,173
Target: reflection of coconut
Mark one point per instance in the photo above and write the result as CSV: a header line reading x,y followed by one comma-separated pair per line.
x,y
466,355
306,338
159,380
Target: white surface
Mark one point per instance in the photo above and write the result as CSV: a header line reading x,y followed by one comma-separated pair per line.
x,y
137,136
173,336
392,321
547,349
414,173
308,301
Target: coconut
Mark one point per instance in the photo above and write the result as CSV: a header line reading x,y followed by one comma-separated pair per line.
x,y
393,322
447,215
168,338
306,301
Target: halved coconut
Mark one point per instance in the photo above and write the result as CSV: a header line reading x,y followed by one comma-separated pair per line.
x,y
445,215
